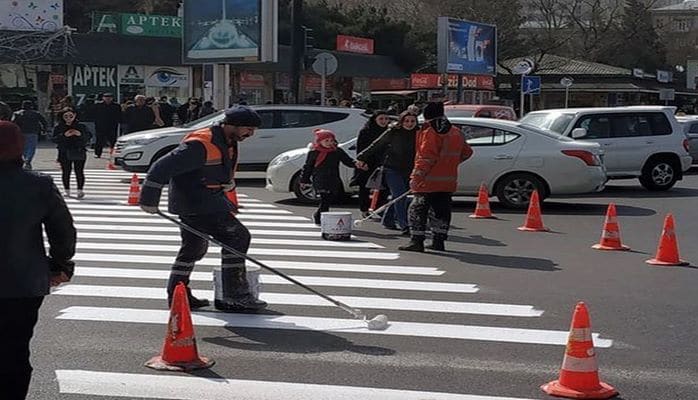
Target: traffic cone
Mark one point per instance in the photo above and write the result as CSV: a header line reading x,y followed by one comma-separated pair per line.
x,y
482,210
110,163
534,220
668,249
375,195
179,351
579,375
134,192
610,235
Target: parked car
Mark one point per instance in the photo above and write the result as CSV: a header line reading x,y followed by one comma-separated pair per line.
x,y
480,111
283,128
512,159
644,142
690,124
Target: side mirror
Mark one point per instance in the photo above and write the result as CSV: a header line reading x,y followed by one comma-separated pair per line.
x,y
578,133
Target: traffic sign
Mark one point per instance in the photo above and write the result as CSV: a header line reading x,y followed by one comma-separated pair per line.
x,y
524,66
325,64
530,84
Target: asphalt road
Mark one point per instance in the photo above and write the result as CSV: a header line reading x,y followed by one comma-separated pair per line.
x,y
499,329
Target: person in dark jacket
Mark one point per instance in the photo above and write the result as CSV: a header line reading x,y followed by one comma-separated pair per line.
x,y
190,111
375,127
5,111
322,165
199,172
32,124
398,145
167,111
107,119
140,116
207,109
72,137
29,205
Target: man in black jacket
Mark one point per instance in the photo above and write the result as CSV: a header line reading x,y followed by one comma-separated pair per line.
x,y
30,204
32,125
107,118
139,117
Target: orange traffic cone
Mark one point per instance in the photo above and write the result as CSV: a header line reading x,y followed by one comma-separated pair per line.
x,y
668,249
610,236
110,163
482,210
375,195
534,220
579,375
134,192
179,351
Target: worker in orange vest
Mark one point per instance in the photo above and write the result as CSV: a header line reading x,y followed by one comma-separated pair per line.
x,y
440,148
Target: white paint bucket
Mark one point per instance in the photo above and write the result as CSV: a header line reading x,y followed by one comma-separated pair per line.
x,y
336,225
253,273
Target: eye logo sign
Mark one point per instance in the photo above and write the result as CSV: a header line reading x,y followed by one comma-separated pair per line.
x,y
168,77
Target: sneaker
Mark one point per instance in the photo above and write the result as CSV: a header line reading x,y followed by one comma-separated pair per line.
x,y
80,195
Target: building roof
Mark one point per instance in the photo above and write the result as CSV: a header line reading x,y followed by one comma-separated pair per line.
x,y
556,65
686,5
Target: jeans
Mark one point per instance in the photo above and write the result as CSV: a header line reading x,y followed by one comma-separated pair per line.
x,y
30,142
398,184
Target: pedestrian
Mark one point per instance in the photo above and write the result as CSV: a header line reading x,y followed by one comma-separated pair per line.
x,y
190,111
107,119
322,169
207,109
72,137
29,206
139,116
440,148
398,145
32,124
5,111
199,172
157,122
375,126
167,111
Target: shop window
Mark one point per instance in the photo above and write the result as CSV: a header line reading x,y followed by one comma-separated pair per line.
x,y
483,136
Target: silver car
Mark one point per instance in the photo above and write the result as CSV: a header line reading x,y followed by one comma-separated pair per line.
x,y
690,124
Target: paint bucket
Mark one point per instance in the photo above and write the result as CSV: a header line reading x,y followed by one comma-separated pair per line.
x,y
253,281
336,225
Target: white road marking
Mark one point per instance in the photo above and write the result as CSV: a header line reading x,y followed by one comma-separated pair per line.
x,y
114,384
333,325
122,204
106,209
155,221
386,284
173,228
138,213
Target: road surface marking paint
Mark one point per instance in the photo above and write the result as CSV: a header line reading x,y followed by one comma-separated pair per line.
x,y
421,286
118,195
333,325
381,303
123,205
114,384
81,206
173,228
281,264
161,221
137,213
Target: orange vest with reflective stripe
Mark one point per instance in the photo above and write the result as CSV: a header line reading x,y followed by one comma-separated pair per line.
x,y
437,159
218,169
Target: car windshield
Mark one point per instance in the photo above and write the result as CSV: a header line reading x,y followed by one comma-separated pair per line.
x,y
204,122
552,121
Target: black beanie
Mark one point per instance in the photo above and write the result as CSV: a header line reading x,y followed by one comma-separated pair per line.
x,y
242,116
434,110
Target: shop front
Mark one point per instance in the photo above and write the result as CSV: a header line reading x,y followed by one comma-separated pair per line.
x,y
173,82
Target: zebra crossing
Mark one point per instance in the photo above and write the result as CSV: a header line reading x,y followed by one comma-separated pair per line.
x,y
121,243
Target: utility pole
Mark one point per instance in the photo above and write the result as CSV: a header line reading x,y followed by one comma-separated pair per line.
x,y
297,49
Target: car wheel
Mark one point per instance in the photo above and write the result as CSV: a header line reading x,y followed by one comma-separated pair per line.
x,y
515,190
306,195
659,174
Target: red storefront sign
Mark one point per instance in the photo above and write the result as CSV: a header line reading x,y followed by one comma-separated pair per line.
x,y
354,44
313,83
388,84
432,81
250,80
425,81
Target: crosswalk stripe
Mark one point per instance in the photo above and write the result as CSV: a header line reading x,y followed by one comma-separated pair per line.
x,y
296,265
121,204
334,325
115,195
378,303
108,208
114,384
106,219
136,228
386,284
138,213
258,241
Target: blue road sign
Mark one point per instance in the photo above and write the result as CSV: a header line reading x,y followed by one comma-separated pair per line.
x,y
530,84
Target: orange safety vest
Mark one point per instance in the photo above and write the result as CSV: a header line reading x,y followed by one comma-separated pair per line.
x,y
214,158
437,159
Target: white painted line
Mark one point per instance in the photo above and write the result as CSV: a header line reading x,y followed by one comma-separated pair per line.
x,y
113,384
173,228
378,303
158,274
296,265
136,209
136,212
370,255
155,221
333,325
121,205
257,241
116,196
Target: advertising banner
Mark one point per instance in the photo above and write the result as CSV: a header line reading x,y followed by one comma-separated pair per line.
x,y
131,75
173,77
87,80
354,44
138,24
250,80
35,15
466,47
431,81
389,84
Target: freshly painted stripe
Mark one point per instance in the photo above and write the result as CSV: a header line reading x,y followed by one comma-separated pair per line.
x,y
113,384
420,286
138,213
151,229
106,209
118,196
259,241
378,303
296,265
121,204
106,219
334,325
82,245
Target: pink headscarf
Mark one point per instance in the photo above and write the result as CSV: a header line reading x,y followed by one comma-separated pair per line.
x,y
320,135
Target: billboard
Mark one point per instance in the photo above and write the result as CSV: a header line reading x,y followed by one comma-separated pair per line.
x,y
167,77
138,24
466,47
35,15
353,44
92,80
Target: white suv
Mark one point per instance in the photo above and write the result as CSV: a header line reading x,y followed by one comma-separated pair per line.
x,y
644,142
283,128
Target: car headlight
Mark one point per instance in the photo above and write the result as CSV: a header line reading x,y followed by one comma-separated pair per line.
x,y
144,141
279,160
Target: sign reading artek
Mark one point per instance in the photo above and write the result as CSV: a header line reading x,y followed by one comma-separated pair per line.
x,y
93,80
138,24
354,44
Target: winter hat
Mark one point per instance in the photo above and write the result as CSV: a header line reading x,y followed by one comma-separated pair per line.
x,y
11,142
322,134
434,110
242,116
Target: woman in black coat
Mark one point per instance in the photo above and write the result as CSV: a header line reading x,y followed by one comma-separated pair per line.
x,y
375,127
30,205
72,138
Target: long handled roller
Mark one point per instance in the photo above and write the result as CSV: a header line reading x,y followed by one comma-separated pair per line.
x,y
380,209
379,322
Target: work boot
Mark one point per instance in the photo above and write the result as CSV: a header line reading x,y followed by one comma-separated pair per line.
x,y
194,303
437,245
416,245
237,296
